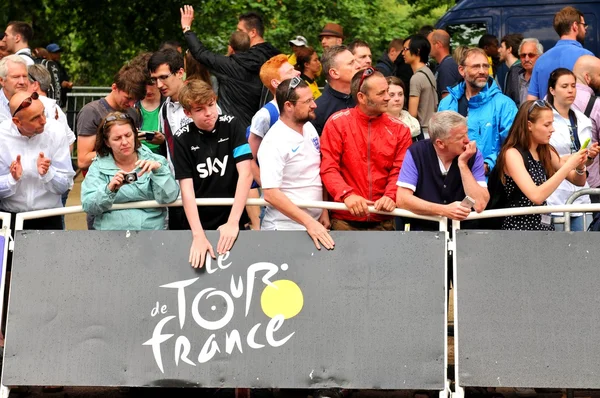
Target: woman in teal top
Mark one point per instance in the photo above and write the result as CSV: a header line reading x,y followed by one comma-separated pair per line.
x,y
125,171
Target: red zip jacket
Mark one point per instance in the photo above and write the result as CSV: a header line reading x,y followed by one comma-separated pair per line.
x,y
362,155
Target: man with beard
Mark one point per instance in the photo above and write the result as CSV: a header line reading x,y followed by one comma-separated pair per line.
x,y
529,52
587,72
359,139
290,156
569,24
489,113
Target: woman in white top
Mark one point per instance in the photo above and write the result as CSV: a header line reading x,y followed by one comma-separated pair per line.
x,y
396,106
571,129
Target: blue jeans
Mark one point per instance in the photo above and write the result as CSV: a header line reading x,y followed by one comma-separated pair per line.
x,y
576,224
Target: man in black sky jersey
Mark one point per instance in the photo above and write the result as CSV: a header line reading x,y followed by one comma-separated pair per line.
x,y
212,160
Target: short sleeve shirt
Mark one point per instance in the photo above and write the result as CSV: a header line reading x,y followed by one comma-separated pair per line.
x,y
425,89
91,115
209,158
291,162
261,121
409,174
446,75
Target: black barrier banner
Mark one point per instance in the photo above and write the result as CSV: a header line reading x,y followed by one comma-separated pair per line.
x,y
120,308
527,309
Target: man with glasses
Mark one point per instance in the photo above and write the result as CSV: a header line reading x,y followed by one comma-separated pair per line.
x,y
363,149
489,113
290,156
36,171
529,52
16,40
570,25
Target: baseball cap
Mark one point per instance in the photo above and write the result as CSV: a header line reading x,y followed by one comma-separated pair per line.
x,y
53,48
299,41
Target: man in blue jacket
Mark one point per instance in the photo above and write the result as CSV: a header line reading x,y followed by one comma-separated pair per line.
x,y
489,113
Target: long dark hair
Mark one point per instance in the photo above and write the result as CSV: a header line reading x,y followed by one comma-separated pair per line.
x,y
520,137
194,69
554,76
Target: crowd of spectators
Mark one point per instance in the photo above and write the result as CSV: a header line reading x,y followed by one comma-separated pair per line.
x,y
427,129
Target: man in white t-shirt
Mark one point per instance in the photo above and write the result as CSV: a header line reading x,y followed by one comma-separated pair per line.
x,y
290,156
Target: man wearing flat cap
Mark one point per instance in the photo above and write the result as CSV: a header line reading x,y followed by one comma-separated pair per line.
x,y
331,35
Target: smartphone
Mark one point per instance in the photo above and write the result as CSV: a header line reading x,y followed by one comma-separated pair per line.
x,y
148,135
467,202
586,143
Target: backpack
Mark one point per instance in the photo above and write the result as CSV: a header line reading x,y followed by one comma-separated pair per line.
x,y
54,90
273,117
498,197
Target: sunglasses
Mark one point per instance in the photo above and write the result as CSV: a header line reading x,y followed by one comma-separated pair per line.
x,y
528,55
26,102
112,118
366,73
295,82
538,103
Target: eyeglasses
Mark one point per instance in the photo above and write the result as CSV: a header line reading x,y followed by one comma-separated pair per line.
x,y
585,25
31,78
162,78
293,84
366,73
538,103
112,118
26,102
527,55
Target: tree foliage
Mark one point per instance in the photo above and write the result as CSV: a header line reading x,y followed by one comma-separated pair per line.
x,y
99,36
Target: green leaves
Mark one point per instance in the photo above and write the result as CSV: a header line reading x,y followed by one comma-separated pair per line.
x,y
100,36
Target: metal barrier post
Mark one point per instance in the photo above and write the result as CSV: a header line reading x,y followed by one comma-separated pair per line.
x,y
6,218
572,198
459,392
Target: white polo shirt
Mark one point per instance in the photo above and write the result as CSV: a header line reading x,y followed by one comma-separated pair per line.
x,y
291,162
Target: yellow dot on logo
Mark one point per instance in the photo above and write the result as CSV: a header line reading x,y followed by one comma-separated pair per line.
x,y
284,297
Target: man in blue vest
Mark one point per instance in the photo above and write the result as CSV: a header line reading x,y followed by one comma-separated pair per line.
x,y
438,173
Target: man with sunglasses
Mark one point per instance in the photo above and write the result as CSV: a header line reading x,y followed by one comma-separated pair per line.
x,y
35,163
291,159
529,52
570,25
363,149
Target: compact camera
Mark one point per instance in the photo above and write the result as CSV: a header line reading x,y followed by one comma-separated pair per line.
x,y
130,178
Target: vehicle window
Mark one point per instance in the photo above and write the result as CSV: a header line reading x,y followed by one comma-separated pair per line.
x,y
466,34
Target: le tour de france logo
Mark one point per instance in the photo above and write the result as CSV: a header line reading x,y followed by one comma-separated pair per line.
x,y
280,299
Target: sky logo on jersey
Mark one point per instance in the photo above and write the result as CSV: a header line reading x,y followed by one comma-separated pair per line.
x,y
226,118
212,166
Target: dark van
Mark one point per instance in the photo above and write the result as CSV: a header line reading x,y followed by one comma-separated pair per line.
x,y
468,20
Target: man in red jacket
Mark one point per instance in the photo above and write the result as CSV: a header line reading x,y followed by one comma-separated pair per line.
x,y
363,149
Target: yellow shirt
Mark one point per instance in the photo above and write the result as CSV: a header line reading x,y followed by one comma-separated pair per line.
x,y
314,87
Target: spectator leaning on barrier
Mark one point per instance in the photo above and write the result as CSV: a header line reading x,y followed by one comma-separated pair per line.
x,y
587,72
363,149
489,113
439,172
240,91
126,171
529,52
423,98
569,24
212,160
339,66
571,129
446,74
532,169
509,54
291,160
396,90
35,163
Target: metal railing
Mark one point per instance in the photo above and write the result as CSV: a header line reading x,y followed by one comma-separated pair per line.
x,y
78,97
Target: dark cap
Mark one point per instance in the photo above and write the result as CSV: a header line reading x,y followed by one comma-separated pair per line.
x,y
332,29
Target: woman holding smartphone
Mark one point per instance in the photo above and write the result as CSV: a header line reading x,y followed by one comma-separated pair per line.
x,y
126,171
532,169
571,129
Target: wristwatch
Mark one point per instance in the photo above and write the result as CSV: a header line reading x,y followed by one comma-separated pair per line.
x,y
186,28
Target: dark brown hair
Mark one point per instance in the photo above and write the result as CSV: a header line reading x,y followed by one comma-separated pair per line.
x,y
303,56
104,128
520,137
194,69
553,79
